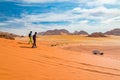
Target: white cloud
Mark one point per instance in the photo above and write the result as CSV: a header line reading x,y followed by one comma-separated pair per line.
x,y
2,24
101,2
112,20
98,2
106,23
79,18
66,16
96,9
100,13
43,1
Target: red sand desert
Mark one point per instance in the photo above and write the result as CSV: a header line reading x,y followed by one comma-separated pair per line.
x,y
72,60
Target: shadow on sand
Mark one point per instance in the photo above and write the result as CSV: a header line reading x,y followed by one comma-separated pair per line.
x,y
21,43
25,47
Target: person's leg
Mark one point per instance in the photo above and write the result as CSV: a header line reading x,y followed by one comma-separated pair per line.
x,y
34,44
30,40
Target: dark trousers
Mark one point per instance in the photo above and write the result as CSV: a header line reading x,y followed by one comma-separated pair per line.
x,y
34,44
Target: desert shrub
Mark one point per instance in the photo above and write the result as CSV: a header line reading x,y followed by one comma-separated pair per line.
x,y
6,36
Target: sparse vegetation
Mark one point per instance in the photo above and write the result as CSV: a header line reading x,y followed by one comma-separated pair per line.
x,y
7,35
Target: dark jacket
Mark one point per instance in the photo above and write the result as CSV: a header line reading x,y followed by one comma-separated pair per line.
x,y
34,37
30,34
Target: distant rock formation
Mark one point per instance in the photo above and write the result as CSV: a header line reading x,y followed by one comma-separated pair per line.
x,y
55,32
97,34
113,32
7,35
62,32
80,33
66,32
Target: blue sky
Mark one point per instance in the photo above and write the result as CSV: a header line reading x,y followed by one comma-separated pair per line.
x,y
21,16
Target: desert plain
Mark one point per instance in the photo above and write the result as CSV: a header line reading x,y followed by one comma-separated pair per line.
x,y
60,57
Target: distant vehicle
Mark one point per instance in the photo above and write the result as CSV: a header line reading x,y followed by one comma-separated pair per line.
x,y
97,52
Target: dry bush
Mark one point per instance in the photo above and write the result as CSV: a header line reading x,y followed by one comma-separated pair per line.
x,y
7,35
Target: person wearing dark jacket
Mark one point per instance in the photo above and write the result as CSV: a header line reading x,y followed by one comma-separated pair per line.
x,y
34,40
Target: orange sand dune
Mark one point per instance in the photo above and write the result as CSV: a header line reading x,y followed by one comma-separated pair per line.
x,y
18,61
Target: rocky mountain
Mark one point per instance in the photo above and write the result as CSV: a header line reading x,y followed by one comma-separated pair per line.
x,y
80,33
62,32
55,32
94,34
97,34
113,32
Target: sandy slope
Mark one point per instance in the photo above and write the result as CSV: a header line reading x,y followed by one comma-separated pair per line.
x,y
18,61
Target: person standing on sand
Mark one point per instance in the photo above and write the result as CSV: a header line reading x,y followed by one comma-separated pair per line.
x,y
34,40
30,37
